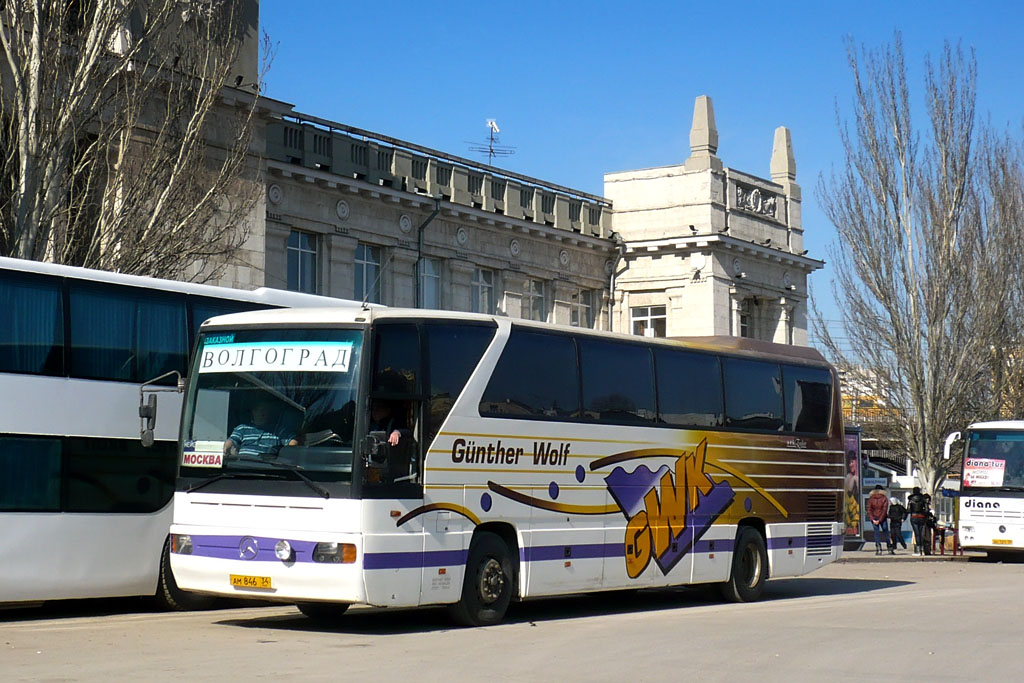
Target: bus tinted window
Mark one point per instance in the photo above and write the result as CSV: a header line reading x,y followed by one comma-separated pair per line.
x,y
753,394
808,398
689,388
204,308
618,382
120,334
396,361
454,352
117,475
536,376
31,325
29,474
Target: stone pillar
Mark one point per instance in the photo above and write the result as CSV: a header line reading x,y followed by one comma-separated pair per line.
x,y
459,285
510,302
735,303
783,171
339,274
703,138
676,325
561,295
401,279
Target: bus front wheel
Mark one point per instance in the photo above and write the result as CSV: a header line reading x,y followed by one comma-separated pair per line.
x,y
487,586
749,567
173,598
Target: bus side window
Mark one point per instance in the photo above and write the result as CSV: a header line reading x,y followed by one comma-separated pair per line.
x,y
454,351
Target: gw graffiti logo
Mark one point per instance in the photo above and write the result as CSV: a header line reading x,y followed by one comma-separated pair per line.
x,y
667,511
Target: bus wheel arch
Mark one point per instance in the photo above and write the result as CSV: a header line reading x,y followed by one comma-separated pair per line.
x,y
749,568
490,579
172,598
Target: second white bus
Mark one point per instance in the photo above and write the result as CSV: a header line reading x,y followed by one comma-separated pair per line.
x,y
84,508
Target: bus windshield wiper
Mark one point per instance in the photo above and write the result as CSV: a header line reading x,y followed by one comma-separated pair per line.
x,y
289,467
226,475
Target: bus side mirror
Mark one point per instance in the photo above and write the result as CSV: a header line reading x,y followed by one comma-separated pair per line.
x,y
147,413
949,442
147,404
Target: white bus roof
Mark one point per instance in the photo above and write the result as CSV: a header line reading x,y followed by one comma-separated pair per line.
x,y
999,424
364,316
267,295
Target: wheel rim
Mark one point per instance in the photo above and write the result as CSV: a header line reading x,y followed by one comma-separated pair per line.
x,y
492,581
751,566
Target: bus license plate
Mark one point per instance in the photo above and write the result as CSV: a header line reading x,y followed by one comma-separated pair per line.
x,y
1002,541
241,581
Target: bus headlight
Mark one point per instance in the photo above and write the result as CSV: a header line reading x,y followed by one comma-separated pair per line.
x,y
283,551
334,553
181,544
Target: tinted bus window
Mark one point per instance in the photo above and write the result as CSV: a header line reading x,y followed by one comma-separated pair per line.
x,y
29,474
454,351
689,388
618,382
117,475
118,333
205,308
536,377
753,394
31,325
396,360
808,398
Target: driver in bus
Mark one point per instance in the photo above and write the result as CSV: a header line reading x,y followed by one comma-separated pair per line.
x,y
257,437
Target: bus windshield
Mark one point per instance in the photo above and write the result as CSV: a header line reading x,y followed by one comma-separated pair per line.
x,y
994,460
266,401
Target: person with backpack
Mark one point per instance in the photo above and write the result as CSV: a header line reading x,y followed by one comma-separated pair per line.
x,y
878,510
897,513
918,509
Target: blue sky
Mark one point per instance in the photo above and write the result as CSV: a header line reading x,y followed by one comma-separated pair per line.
x,y
583,89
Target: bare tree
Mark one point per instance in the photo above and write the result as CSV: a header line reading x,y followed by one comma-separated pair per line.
x,y
924,251
118,149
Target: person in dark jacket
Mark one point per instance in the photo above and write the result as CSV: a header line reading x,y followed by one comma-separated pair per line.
x,y
918,509
878,510
897,513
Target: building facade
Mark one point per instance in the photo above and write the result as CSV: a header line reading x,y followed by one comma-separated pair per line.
x,y
688,250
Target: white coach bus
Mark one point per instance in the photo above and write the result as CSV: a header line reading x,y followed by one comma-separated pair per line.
x,y
400,458
84,508
991,515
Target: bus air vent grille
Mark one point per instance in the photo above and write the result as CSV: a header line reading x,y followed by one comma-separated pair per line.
x,y
822,507
819,539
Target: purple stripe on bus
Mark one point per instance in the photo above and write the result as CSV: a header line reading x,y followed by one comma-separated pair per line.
x,y
410,560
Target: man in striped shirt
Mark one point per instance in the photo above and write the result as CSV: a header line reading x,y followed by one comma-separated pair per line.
x,y
258,438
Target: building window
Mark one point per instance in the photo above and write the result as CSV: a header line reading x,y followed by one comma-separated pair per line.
x,y
430,283
745,328
367,273
535,302
302,262
483,291
648,321
581,308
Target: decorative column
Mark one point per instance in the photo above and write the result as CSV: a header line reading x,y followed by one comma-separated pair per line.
x,y
460,285
339,273
510,302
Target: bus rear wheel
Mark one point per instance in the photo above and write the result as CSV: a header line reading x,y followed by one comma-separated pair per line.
x,y
487,586
323,611
749,567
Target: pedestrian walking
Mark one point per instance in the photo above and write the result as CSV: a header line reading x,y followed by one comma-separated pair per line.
x,y
897,513
918,509
878,511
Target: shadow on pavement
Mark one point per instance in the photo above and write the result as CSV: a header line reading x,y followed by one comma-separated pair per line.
x,y
98,607
397,621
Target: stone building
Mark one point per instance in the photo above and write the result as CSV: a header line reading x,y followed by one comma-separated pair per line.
x,y
710,250
692,249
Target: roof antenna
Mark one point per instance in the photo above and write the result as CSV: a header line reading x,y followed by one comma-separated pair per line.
x,y
376,280
492,147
